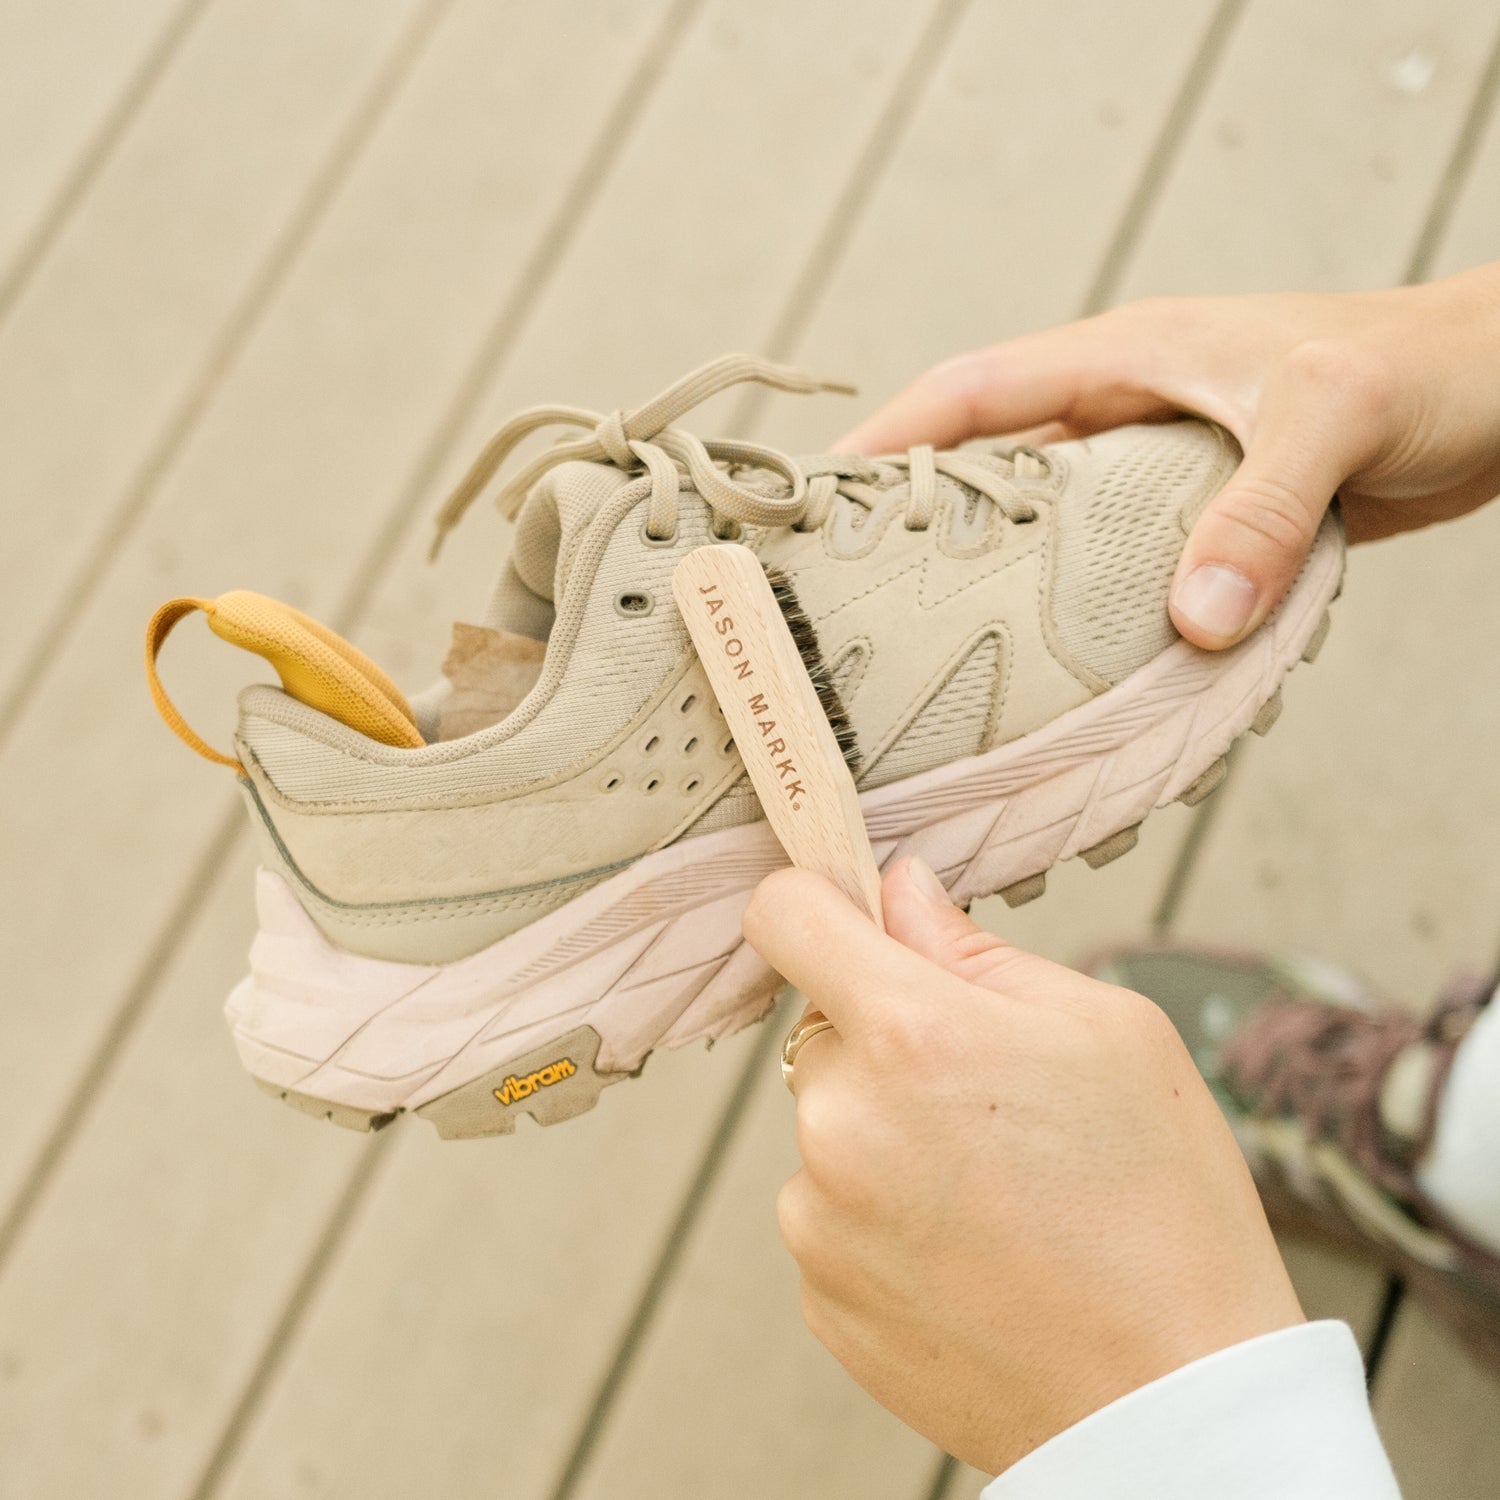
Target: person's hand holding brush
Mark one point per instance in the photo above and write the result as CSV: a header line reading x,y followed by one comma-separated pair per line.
x,y
1019,1201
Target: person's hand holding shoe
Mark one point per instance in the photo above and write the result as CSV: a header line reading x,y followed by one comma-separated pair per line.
x,y
1387,398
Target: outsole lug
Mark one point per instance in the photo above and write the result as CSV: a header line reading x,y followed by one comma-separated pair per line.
x,y
1111,848
1023,890
1316,639
1206,785
343,1115
553,1082
1270,711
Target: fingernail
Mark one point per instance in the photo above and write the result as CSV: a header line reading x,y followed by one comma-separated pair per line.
x,y
919,872
1218,600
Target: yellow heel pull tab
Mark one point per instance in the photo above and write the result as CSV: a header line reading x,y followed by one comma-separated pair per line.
x,y
157,632
316,667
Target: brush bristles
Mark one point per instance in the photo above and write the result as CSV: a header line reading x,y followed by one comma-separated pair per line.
x,y
805,638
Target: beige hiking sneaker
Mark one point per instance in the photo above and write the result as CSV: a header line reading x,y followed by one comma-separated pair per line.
x,y
504,895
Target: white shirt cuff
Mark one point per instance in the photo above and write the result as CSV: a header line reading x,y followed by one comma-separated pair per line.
x,y
1280,1417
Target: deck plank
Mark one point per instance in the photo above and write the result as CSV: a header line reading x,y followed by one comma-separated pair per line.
x,y
1439,1412
161,275
1344,140
71,79
131,1316
731,1395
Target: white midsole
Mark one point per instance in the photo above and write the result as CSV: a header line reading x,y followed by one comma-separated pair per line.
x,y
653,956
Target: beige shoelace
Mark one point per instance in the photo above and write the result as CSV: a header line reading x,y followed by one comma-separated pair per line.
x,y
645,439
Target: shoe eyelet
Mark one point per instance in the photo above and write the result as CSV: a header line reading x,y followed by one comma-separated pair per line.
x,y
634,604
647,540
731,531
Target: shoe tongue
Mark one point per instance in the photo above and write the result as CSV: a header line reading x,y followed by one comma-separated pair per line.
x,y
556,514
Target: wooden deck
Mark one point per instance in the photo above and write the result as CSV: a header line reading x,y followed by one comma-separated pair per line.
x,y
267,276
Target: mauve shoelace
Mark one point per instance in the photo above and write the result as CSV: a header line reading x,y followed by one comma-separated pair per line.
x,y
1325,1065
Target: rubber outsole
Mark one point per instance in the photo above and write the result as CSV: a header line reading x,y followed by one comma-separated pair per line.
x,y
559,1077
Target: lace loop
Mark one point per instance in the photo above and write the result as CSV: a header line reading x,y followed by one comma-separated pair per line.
x,y
645,439
921,467
611,435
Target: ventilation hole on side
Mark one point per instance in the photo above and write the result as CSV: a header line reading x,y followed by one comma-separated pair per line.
x,y
690,746
691,784
611,781
727,748
651,744
633,603
686,705
652,785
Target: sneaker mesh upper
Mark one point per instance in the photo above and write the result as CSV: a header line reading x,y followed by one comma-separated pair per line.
x,y
1119,539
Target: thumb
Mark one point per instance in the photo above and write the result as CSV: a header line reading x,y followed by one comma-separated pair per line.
x,y
919,915
1251,540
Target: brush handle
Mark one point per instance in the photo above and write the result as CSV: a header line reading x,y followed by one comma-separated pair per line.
x,y
773,712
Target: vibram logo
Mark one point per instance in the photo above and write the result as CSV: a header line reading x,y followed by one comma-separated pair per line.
x,y
514,1089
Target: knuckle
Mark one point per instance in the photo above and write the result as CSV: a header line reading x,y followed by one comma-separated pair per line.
x,y
818,1132
902,1036
960,376
792,1218
959,384
1144,1026
835,1145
